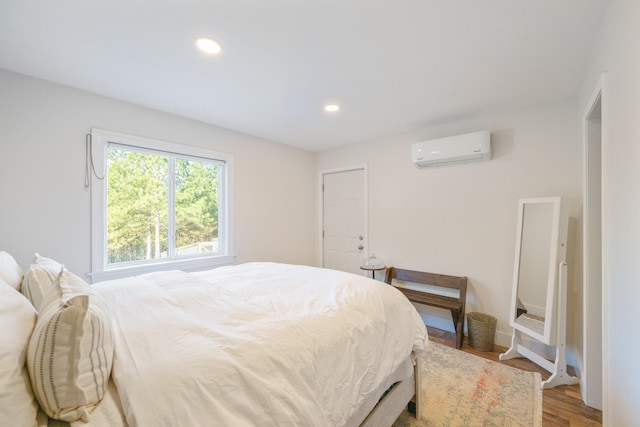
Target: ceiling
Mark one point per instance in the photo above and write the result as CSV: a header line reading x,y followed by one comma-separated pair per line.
x,y
393,66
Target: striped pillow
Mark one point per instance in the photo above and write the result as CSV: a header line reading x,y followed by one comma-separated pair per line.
x,y
39,279
71,350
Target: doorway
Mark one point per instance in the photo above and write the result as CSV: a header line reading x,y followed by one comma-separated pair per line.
x,y
592,378
344,237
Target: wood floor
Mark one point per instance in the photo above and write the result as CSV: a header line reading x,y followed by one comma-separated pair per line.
x,y
561,406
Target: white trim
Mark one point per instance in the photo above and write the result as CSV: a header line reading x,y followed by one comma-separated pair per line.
x,y
605,260
99,270
586,389
321,174
191,264
605,255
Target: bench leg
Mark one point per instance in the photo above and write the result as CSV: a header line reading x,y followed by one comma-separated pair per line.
x,y
458,323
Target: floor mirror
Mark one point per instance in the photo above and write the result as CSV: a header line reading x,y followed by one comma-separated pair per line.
x,y
538,301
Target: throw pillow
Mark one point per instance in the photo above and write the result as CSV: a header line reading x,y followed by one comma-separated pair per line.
x,y
71,350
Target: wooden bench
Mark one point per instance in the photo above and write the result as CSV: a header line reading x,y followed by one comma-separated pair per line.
x,y
454,304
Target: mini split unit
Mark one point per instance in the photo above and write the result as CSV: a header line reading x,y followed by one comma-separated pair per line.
x,y
469,147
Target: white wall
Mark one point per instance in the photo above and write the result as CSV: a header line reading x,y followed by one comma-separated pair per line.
x,y
461,219
45,207
616,53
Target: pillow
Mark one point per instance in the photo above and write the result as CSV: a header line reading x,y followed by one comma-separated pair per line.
x,y
10,271
71,350
39,279
18,407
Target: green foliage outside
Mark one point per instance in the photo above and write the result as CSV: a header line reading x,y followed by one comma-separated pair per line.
x,y
138,205
196,202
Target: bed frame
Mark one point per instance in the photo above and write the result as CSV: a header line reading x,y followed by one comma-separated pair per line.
x,y
396,399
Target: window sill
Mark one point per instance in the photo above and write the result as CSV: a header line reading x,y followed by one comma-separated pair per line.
x,y
183,264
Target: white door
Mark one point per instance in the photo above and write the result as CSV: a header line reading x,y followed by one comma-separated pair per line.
x,y
344,241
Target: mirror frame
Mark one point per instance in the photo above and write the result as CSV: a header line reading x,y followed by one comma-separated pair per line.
x,y
557,254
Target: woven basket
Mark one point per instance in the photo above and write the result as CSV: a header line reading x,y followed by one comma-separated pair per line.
x,y
482,330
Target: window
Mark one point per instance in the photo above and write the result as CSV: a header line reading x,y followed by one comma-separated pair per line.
x,y
158,206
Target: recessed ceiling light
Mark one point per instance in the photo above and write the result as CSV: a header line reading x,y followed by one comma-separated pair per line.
x,y
208,45
331,108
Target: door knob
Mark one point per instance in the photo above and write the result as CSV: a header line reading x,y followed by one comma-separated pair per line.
x,y
360,247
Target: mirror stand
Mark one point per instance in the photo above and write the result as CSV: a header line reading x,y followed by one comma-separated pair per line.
x,y
558,369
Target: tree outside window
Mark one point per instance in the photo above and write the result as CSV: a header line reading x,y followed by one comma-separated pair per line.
x,y
160,206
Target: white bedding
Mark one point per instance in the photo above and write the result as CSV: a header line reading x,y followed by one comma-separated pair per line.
x,y
255,344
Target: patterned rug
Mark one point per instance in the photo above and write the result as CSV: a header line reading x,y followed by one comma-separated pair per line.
x,y
463,390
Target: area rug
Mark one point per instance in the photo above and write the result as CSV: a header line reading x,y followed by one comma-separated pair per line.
x,y
463,390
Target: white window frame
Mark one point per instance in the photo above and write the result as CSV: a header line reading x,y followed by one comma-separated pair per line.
x,y
100,270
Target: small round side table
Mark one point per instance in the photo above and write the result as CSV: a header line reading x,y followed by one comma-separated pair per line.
x,y
372,270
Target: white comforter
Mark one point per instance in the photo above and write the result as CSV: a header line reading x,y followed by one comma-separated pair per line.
x,y
255,344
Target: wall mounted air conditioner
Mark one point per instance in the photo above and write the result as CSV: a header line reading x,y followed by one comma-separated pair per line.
x,y
453,149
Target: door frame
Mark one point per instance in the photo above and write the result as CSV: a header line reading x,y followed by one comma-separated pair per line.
x,y
320,225
602,293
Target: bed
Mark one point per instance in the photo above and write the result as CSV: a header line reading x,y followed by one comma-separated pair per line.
x,y
253,344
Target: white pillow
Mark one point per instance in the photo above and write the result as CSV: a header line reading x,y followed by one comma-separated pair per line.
x,y
10,271
18,407
39,279
71,350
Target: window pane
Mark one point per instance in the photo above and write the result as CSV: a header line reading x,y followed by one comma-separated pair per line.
x,y
137,206
197,184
